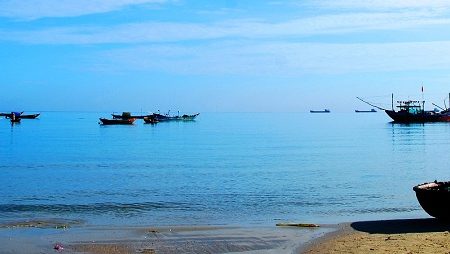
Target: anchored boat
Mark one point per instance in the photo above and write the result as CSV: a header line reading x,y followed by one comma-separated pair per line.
x,y
320,111
167,117
127,121
20,115
413,112
126,115
365,111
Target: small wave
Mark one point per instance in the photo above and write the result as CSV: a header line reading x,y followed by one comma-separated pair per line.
x,y
97,208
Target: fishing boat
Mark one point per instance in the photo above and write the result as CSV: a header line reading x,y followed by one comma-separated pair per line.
x,y
188,117
434,198
150,119
20,115
31,116
167,117
365,111
413,112
126,115
320,111
105,121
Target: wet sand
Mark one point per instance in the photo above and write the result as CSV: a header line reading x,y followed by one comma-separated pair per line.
x,y
40,236
389,236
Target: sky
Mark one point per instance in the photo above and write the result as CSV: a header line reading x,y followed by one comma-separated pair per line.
x,y
221,56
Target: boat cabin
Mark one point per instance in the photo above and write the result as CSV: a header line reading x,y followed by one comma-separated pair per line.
x,y
413,107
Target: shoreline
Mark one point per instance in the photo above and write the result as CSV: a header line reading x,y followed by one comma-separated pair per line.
x,y
384,236
40,236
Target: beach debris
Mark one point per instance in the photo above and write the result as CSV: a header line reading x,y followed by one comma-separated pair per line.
x,y
300,225
58,247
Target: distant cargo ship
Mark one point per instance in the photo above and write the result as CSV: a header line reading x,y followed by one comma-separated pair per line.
x,y
320,111
365,111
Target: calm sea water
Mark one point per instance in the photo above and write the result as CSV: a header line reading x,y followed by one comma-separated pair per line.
x,y
224,168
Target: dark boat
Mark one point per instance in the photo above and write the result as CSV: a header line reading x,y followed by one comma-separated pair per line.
x,y
32,116
365,111
150,119
21,115
105,121
15,117
434,198
188,117
413,112
167,117
126,115
320,111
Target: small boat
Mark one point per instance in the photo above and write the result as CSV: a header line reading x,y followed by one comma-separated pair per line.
x,y
126,115
105,121
365,111
188,117
320,111
434,198
32,116
21,115
167,117
150,119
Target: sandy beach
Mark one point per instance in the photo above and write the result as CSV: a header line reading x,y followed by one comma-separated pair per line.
x,y
388,236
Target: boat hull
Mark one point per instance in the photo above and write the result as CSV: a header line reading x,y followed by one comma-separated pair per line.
x,y
319,111
435,199
105,121
163,118
115,116
365,111
405,117
33,116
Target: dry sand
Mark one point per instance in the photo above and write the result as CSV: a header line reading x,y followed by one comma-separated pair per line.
x,y
392,236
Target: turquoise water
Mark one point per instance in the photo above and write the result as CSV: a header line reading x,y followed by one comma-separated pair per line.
x,y
224,168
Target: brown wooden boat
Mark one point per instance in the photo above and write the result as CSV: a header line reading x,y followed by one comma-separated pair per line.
x,y
434,198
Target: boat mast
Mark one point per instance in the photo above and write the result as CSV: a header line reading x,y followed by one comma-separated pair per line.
x,y
392,101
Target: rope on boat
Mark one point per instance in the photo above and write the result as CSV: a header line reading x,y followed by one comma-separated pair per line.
x,y
370,104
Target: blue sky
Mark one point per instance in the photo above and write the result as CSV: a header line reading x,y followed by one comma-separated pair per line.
x,y
226,56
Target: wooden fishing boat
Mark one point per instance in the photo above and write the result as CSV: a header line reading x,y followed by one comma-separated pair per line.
x,y
167,117
410,111
20,115
105,121
188,117
150,120
413,112
126,115
320,111
434,198
32,116
365,111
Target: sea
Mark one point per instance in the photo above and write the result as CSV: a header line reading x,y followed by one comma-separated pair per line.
x,y
221,169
